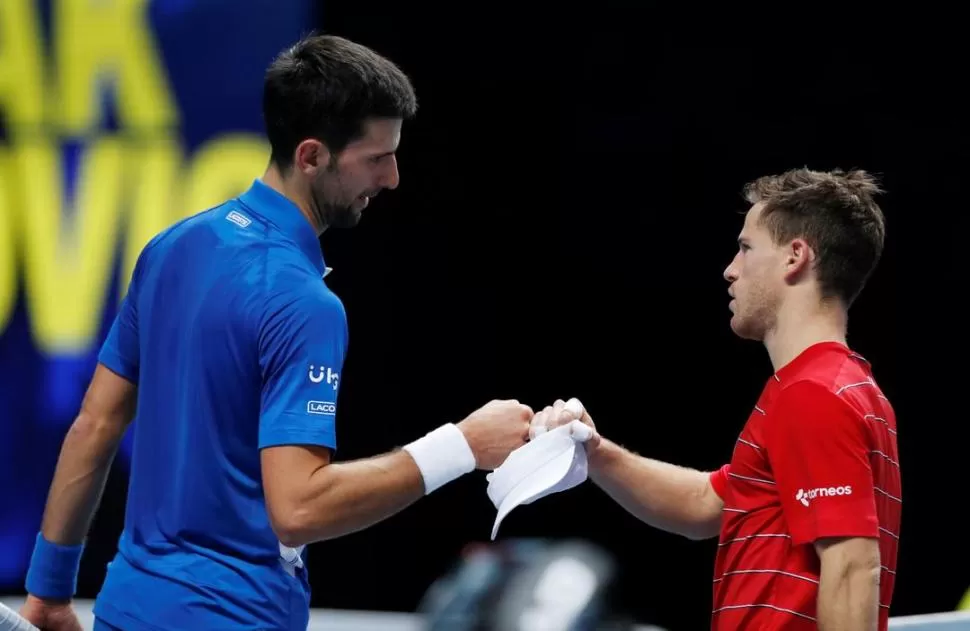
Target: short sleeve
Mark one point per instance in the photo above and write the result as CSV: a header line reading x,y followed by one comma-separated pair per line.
x,y
819,454
719,480
120,351
302,349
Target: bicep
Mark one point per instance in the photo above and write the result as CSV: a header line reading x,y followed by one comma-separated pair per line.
x,y
302,352
712,501
848,550
111,399
286,471
717,482
839,556
820,458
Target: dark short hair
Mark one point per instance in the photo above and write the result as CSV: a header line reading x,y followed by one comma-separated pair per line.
x,y
834,211
326,87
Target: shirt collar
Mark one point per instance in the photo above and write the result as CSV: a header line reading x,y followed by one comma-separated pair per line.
x,y
285,215
811,353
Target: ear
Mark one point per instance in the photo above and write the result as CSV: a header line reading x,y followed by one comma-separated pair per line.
x,y
310,156
799,260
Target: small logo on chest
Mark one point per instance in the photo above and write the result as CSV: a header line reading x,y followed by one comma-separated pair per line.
x,y
239,219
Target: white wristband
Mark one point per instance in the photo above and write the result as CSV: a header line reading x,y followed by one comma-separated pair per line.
x,y
442,455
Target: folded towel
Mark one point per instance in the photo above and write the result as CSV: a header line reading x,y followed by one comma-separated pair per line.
x,y
551,462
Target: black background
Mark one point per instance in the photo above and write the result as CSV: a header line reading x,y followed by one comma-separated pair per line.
x,y
569,200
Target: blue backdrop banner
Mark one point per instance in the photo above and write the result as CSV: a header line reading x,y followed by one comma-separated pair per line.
x,y
118,118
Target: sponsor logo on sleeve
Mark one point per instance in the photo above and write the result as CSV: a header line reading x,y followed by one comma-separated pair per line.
x,y
323,408
805,497
322,373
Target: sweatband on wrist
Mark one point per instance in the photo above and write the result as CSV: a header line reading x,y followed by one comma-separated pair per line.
x,y
442,455
53,570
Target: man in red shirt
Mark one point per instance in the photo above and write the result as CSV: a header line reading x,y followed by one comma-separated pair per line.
x,y
808,509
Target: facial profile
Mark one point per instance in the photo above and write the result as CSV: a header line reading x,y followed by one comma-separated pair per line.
x,y
333,111
757,279
810,240
342,185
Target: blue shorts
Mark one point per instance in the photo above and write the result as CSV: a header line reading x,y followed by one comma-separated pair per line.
x,y
101,625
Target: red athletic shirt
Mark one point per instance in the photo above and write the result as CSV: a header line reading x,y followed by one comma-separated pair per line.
x,y
817,458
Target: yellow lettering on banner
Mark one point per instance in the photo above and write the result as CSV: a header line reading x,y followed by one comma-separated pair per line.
x,y
154,197
68,262
964,602
21,65
8,268
223,168
98,38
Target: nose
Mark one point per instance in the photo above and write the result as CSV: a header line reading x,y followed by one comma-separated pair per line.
x,y
731,271
392,177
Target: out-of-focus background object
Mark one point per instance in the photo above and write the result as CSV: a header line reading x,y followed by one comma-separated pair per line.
x,y
591,153
528,585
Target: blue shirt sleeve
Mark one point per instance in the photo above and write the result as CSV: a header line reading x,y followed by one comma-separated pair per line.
x,y
120,353
302,348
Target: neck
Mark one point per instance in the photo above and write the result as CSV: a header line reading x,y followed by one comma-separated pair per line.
x,y
800,326
296,192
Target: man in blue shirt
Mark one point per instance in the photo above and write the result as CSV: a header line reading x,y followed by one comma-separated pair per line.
x,y
228,350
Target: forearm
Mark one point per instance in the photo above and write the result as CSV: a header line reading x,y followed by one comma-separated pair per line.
x,y
338,499
665,496
848,598
82,470
346,497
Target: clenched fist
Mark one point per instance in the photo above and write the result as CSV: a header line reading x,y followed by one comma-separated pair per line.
x,y
569,412
50,616
496,429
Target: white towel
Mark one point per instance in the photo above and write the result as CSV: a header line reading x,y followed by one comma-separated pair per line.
x,y
551,462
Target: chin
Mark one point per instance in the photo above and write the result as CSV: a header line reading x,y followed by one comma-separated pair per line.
x,y
348,219
745,330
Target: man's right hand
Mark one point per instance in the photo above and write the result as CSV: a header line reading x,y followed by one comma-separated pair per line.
x,y
50,615
563,413
495,430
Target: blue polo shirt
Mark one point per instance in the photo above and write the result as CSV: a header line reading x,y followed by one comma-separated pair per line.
x,y
236,344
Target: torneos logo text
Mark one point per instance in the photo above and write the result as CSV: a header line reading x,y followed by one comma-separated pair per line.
x,y
804,496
